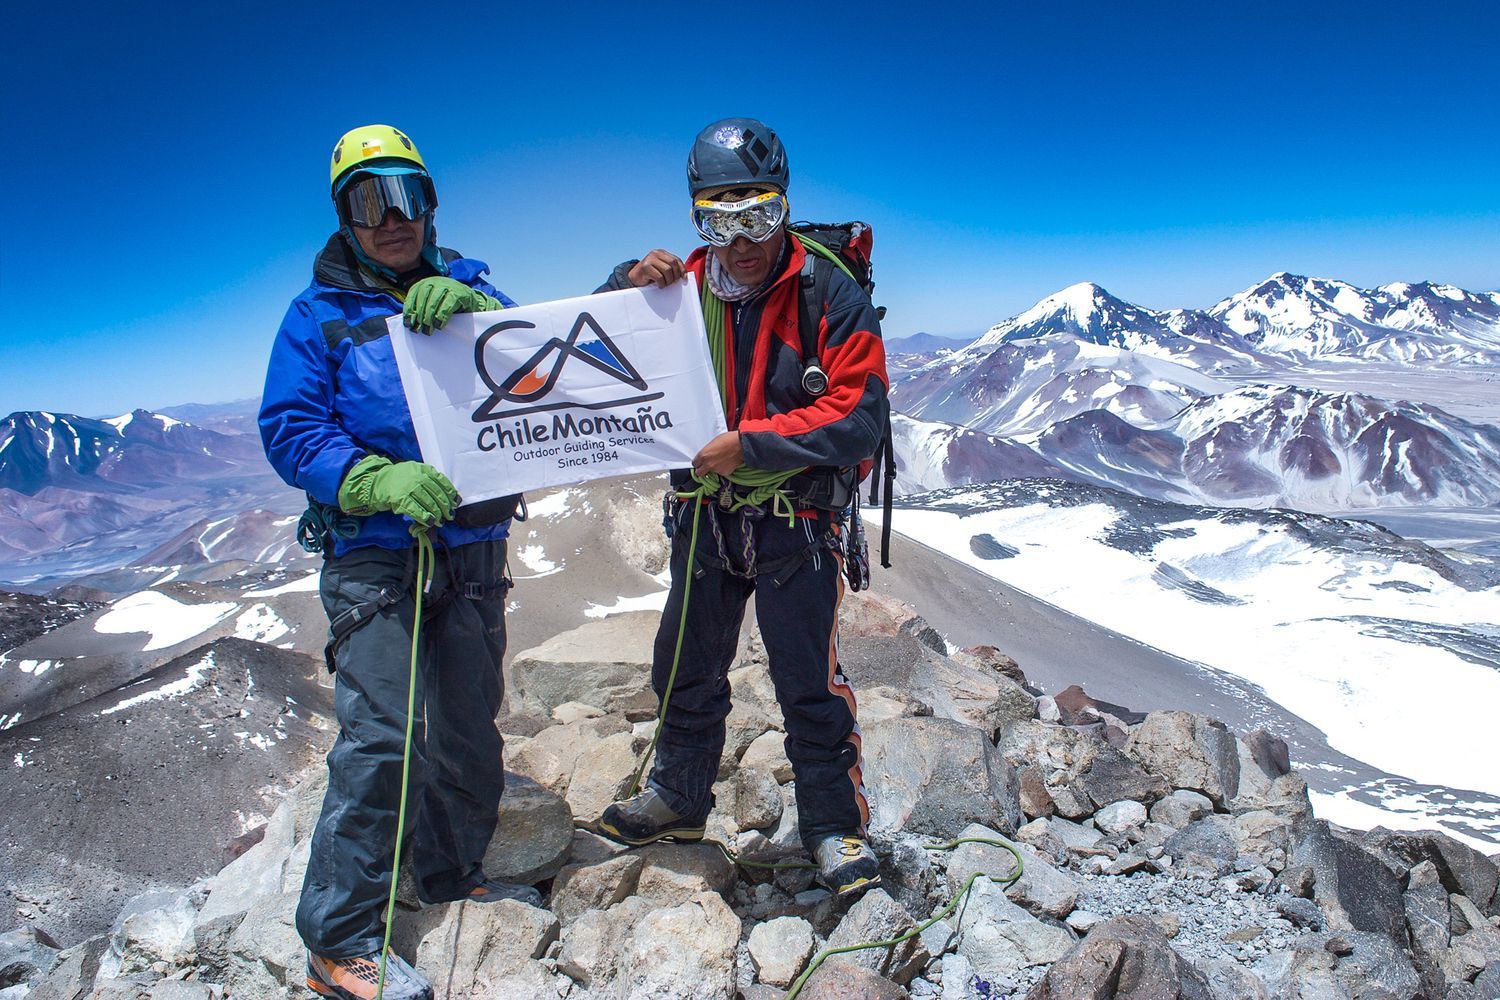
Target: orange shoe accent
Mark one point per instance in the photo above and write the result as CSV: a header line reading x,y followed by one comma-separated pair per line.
x,y
358,977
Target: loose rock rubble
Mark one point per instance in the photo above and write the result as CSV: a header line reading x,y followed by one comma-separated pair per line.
x,y
1163,857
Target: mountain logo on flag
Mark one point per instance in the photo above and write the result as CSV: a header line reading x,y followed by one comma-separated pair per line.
x,y
531,383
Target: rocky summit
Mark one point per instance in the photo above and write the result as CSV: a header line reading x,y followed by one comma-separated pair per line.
x,y
1162,856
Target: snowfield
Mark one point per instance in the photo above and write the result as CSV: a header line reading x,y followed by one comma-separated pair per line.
x,y
1380,654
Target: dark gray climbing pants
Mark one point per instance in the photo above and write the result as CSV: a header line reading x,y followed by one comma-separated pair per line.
x,y
797,586
456,772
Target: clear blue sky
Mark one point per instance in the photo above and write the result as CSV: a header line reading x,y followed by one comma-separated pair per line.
x,y
166,164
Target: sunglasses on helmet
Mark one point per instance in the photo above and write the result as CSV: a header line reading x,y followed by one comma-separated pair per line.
x,y
365,200
756,218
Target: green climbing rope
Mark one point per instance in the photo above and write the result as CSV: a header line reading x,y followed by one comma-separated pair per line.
x,y
763,487
426,558
958,897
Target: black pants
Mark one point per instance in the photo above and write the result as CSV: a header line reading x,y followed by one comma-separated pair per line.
x,y
456,770
799,623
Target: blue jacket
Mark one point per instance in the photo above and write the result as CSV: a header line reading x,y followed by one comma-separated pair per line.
x,y
333,394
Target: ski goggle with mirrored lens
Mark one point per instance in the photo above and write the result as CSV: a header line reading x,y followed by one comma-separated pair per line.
x,y
366,200
756,218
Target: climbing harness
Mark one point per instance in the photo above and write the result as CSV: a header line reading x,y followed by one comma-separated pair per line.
x,y
426,559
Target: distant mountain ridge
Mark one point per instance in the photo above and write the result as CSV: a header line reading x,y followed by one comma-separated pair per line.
x,y
1318,317
1287,316
81,495
1298,392
138,449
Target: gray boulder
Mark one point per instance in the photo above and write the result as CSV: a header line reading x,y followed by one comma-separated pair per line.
x,y
1460,868
154,928
875,916
258,872
1349,964
265,954
768,752
908,875
1427,923
1127,958
1229,981
606,663
934,776
1354,884
749,799
26,957
591,945
1475,943
1264,836
533,835
1189,751
677,873
838,979
998,937
1041,889
550,757
602,775
982,698
1080,771
1182,807
597,886
686,950
780,948
1206,847
479,943
1118,817
74,974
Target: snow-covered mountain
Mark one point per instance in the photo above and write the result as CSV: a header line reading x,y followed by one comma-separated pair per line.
x,y
139,449
81,495
1300,317
1027,385
1211,407
1089,313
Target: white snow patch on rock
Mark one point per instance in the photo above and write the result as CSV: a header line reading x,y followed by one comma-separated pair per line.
x,y
190,681
168,622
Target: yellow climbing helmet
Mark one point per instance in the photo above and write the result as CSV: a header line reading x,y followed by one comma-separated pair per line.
x,y
369,143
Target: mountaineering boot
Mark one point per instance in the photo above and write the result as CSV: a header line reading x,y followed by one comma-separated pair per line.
x,y
645,818
489,891
359,978
492,890
846,864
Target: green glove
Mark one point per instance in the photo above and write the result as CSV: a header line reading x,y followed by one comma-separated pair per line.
x,y
413,489
432,302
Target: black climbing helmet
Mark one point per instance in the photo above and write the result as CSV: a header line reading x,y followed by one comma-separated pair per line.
x,y
737,151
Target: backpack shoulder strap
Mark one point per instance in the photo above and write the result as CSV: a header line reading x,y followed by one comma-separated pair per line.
x,y
812,292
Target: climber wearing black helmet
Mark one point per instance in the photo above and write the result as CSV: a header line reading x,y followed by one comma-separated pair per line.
x,y
814,430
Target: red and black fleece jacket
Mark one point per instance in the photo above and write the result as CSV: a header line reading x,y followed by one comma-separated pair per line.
x,y
781,426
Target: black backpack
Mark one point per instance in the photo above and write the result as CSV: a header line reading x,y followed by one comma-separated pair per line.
x,y
846,245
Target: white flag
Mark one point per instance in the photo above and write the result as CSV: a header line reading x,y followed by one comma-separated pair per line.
x,y
562,392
